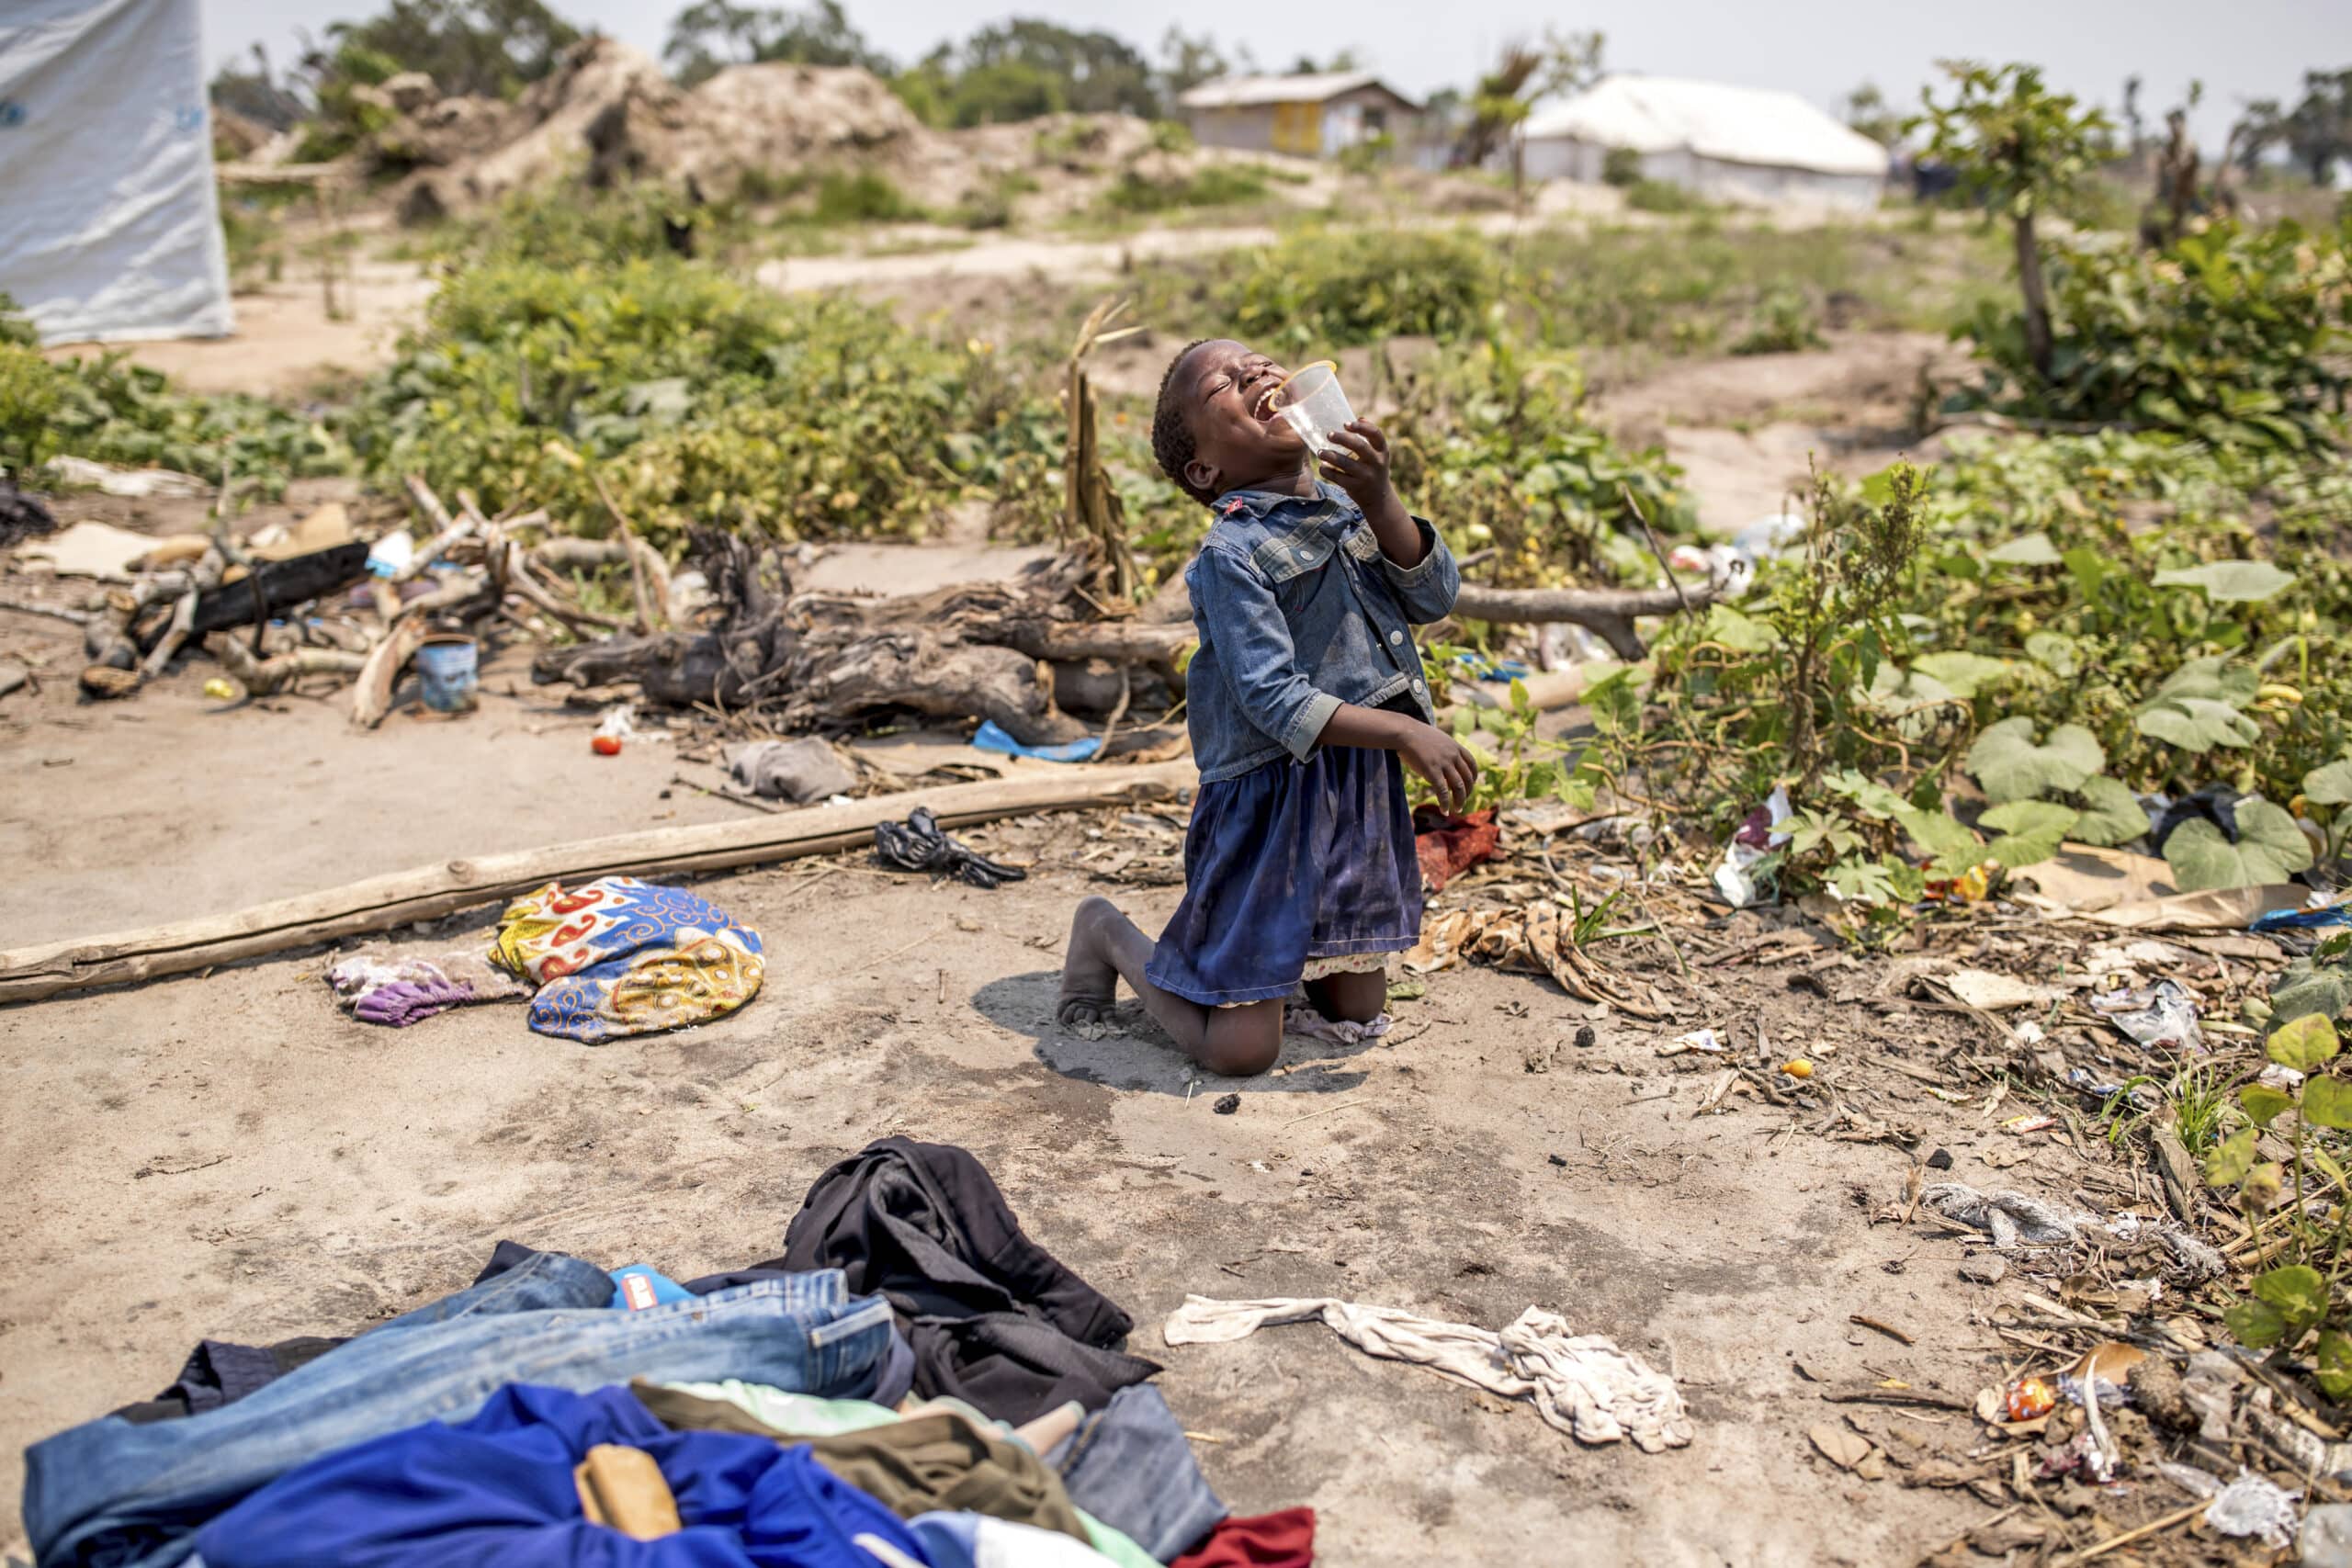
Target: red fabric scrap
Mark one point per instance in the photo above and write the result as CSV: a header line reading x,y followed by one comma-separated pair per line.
x,y
1448,846
1286,1539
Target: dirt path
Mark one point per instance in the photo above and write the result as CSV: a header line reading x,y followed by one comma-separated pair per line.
x,y
227,1155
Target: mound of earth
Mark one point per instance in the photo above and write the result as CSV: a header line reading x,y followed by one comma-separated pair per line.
x,y
757,119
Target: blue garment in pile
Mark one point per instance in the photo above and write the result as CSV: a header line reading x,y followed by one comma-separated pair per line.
x,y
499,1489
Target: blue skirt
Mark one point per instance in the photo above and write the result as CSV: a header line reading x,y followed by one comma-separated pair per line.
x,y
1292,860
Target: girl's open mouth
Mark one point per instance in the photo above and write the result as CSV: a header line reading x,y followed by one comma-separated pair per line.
x,y
1262,396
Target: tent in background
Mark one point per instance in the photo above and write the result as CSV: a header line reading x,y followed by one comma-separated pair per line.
x,y
1726,143
109,223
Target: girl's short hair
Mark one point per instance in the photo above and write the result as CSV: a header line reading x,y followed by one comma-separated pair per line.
x,y
1171,428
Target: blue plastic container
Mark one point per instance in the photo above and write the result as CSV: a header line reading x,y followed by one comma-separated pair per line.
x,y
446,671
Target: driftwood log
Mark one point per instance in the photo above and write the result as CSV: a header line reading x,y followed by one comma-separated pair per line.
x,y
996,650
428,892
1609,611
1033,653
729,665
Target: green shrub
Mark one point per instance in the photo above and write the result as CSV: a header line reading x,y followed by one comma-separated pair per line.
x,y
1490,439
15,325
698,399
113,411
2232,336
991,206
765,185
1212,184
1783,324
560,223
1621,168
1663,196
30,392
1323,288
862,197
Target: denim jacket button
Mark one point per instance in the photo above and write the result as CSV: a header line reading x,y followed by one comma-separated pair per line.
x,y
1395,637
1423,689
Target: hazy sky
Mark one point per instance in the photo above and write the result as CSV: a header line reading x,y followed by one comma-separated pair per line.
x,y
2243,49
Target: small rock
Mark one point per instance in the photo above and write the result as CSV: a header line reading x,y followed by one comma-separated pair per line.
x,y
1584,1036
1985,1270
1556,1161
1227,1106
1940,1161
2327,1535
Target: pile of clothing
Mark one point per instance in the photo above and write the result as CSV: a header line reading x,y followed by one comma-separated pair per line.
x,y
913,1382
601,961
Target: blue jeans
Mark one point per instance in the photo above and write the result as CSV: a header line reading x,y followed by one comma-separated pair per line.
x,y
111,1495
1130,1465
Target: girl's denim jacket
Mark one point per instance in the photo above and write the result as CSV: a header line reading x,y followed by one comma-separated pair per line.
x,y
1298,612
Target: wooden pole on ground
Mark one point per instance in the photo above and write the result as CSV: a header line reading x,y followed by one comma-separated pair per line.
x,y
381,903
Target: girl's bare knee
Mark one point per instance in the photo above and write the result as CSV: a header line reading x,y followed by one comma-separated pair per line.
x,y
1353,999
1244,1046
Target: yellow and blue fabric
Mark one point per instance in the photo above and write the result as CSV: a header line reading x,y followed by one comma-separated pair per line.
x,y
617,957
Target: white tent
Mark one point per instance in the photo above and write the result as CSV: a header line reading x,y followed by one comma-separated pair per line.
x,y
109,224
1731,143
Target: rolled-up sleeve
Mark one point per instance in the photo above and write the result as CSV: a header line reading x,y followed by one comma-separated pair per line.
x,y
1236,608
1429,589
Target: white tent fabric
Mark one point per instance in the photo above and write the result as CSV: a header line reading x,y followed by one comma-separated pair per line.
x,y
1712,120
109,224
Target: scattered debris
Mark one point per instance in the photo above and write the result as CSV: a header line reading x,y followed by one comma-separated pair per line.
x,y
2029,1399
1998,993
2251,1505
2161,1017
801,770
917,844
1755,841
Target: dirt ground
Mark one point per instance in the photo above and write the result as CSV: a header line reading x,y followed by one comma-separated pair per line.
x,y
230,1155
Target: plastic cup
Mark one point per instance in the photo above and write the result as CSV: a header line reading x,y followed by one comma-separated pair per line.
x,y
1311,403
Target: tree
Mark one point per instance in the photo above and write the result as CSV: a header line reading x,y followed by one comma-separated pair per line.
x,y
1186,63
1023,68
710,35
1868,112
2262,127
1525,77
2020,148
2316,134
491,48
2319,129
2132,121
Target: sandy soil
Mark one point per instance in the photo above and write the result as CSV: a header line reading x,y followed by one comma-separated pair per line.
x,y
286,344
229,1156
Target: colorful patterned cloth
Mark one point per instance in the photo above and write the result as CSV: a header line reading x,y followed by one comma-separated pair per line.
x,y
618,956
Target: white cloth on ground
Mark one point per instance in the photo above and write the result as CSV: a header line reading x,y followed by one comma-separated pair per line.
x,y
1584,1385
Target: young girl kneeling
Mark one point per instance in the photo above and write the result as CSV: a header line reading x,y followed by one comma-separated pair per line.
x,y
1307,692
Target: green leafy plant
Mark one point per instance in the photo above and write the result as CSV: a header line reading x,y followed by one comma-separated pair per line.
x,y
1783,324
2294,1303
1521,764
1491,436
1212,185
1663,196
2234,334
2021,149
699,400
1320,288
863,196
